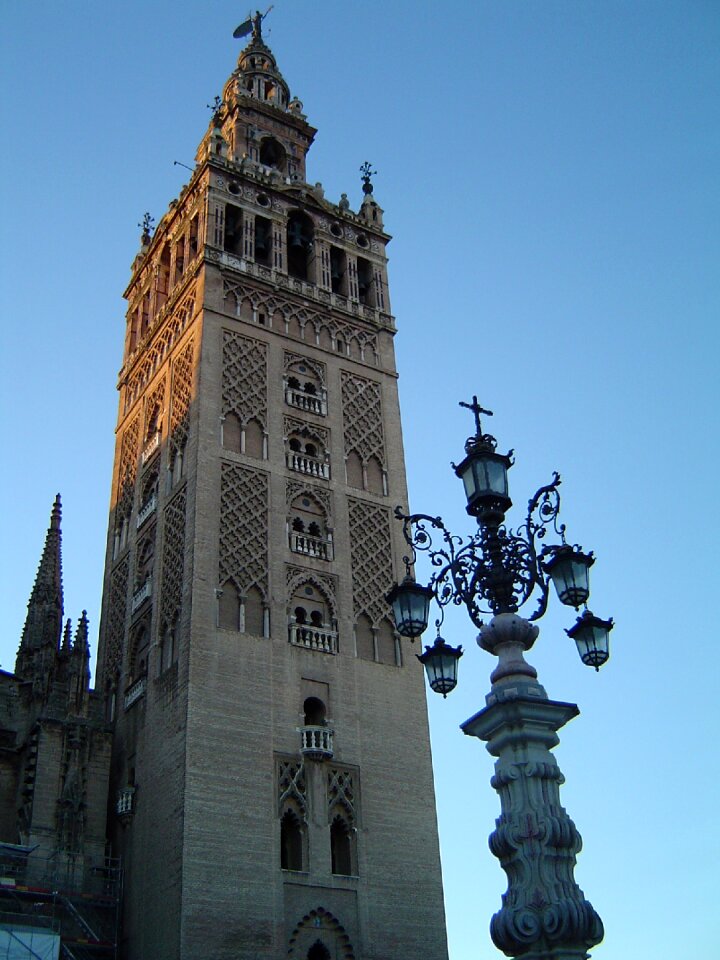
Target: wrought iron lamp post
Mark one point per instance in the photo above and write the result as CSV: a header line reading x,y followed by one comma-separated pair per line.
x,y
544,914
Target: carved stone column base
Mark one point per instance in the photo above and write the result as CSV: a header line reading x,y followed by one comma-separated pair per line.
x,y
544,914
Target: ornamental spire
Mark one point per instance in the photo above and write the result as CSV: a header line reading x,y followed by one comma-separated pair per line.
x,y
44,622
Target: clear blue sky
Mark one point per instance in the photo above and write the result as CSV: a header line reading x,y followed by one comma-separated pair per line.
x,y
550,173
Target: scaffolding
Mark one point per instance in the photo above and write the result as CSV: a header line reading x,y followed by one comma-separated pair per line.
x,y
62,900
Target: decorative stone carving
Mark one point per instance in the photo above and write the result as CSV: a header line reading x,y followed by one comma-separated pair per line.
x,y
128,466
291,785
370,558
243,527
320,926
362,418
315,325
296,488
544,912
154,408
182,380
173,559
341,792
244,378
117,611
166,332
320,434
295,576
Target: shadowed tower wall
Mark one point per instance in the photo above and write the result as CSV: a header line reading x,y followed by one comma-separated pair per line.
x,y
271,777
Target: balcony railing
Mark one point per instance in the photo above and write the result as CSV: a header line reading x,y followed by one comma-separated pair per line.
x,y
146,510
125,803
309,465
135,691
150,447
316,742
317,547
141,595
313,638
308,402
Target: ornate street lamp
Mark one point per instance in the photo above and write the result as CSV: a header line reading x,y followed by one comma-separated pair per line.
x,y
544,914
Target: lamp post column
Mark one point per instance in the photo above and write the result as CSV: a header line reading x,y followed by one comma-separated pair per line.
x,y
544,914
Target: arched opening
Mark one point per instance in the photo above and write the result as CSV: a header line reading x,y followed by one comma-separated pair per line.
x,y
338,271
291,842
272,153
314,710
300,236
232,432
229,612
254,613
386,643
254,440
318,951
364,638
365,282
354,470
232,239
374,473
263,241
341,847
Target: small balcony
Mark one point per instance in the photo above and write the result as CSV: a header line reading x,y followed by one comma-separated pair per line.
x,y
318,547
150,447
125,803
135,691
313,638
316,743
307,402
142,594
310,466
147,510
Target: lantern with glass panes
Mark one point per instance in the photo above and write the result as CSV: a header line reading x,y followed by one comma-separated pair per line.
x,y
497,569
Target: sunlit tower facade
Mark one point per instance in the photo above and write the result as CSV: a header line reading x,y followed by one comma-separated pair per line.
x,y
271,785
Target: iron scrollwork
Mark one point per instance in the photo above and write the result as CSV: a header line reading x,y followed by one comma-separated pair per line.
x,y
496,569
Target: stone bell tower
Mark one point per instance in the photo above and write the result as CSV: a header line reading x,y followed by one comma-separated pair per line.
x,y
272,788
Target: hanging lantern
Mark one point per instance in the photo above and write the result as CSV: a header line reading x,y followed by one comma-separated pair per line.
x,y
441,665
592,636
410,603
569,570
484,475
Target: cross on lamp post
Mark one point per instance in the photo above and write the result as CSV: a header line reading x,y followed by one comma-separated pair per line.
x,y
544,914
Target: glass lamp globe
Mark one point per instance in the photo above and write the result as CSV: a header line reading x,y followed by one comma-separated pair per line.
x,y
592,637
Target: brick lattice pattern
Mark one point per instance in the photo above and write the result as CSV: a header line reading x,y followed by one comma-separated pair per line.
x,y
244,378
182,379
362,418
173,561
244,527
371,558
117,611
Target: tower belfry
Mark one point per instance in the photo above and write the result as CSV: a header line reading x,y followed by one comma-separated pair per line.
x,y
272,780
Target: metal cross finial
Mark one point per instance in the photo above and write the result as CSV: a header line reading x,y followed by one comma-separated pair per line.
x,y
216,104
146,225
367,171
477,410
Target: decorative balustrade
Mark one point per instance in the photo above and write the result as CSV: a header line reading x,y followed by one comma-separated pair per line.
x,y
318,547
146,510
135,691
142,594
307,402
313,638
150,447
308,465
316,743
125,803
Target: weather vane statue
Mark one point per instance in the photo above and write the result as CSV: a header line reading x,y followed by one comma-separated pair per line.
x,y
252,24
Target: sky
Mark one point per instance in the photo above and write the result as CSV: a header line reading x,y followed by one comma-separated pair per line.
x,y
549,172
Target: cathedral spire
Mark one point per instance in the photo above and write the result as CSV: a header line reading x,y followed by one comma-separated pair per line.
x,y
44,621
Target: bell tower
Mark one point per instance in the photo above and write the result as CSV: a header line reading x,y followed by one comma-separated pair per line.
x,y
272,789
